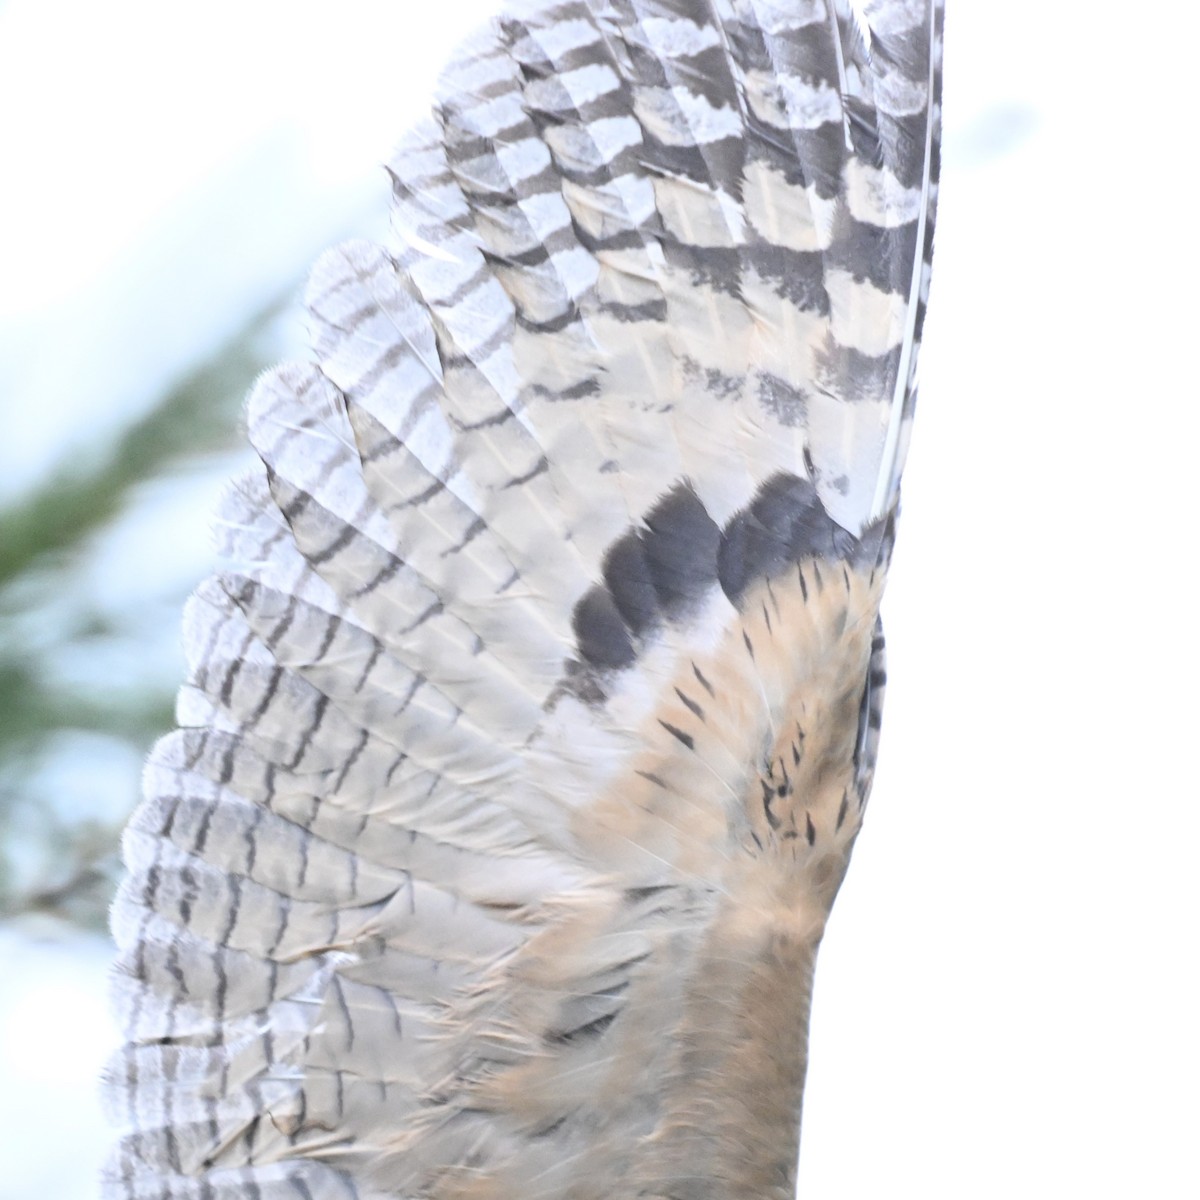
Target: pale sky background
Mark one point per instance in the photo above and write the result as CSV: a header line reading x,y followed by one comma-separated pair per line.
x,y
1008,994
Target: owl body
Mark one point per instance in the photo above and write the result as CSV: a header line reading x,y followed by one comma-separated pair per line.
x,y
530,725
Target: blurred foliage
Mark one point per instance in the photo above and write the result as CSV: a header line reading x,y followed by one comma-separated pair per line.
x,y
195,415
70,754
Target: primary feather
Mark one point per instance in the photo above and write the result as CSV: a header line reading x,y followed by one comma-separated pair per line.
x,y
530,725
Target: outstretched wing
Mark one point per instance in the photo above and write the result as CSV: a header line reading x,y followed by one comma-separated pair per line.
x,y
530,723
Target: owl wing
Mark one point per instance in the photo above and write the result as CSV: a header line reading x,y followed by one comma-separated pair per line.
x,y
530,720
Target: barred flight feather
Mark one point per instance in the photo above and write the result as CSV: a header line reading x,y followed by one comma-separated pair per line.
x,y
530,723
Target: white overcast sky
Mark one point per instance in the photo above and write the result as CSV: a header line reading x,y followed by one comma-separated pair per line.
x,y
1008,994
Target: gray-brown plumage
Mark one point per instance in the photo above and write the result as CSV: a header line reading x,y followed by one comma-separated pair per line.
x,y
530,725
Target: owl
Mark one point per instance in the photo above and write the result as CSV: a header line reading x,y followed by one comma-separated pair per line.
x,y
531,718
